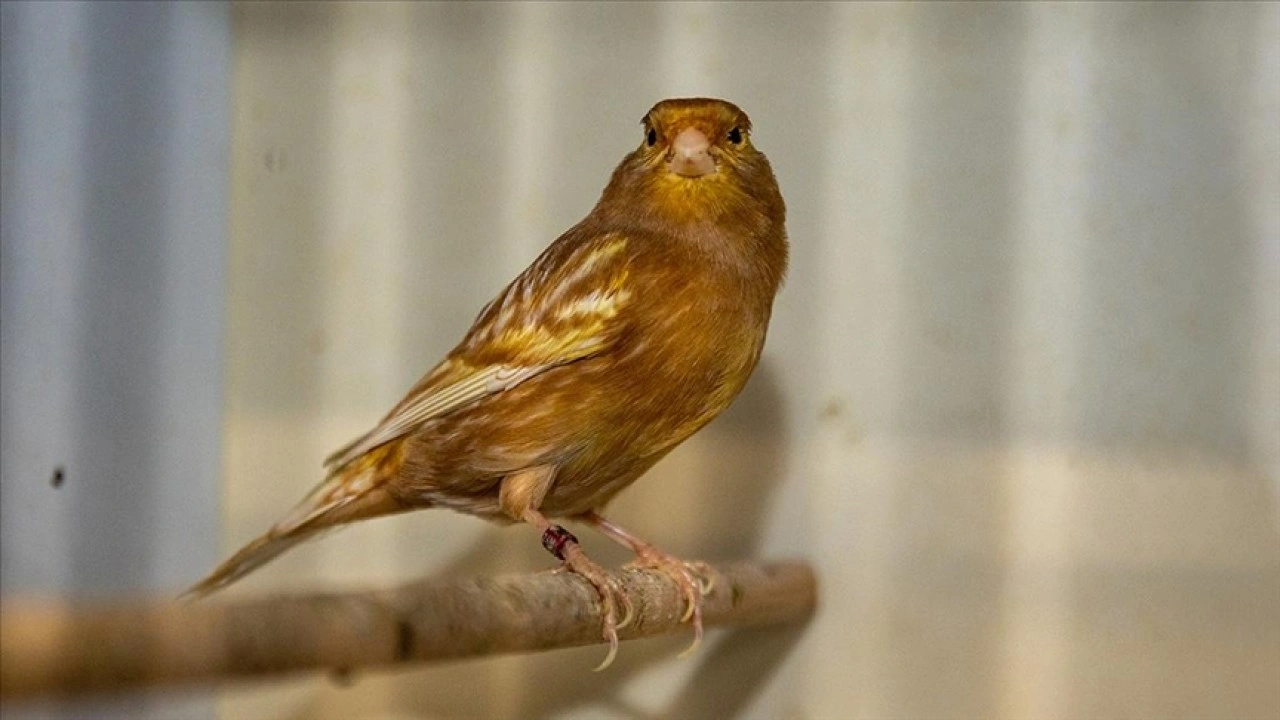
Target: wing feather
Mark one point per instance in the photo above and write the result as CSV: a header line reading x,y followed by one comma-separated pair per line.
x,y
563,308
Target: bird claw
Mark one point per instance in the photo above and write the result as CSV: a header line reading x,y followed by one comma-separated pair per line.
x,y
608,658
689,577
705,576
628,610
610,630
697,641
611,594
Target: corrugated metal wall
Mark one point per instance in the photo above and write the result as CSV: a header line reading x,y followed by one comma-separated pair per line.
x,y
113,218
1021,398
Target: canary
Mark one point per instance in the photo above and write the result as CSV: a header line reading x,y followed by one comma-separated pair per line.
x,y
630,332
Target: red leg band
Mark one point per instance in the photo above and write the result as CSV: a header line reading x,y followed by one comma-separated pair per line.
x,y
555,538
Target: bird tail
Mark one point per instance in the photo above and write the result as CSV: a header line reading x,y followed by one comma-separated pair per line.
x,y
351,494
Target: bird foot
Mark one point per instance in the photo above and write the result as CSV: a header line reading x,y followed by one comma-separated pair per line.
x,y
695,580
564,545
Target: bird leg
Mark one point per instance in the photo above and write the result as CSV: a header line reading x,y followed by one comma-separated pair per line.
x,y
565,546
688,575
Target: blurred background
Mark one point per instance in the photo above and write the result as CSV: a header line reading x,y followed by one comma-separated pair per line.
x,y
1020,404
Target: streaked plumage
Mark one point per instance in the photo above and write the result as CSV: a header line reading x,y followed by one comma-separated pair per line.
x,y
629,333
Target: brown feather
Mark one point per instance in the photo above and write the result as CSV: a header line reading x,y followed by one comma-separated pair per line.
x,y
276,541
643,322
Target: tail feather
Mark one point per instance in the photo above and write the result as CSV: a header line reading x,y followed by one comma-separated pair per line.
x,y
325,508
249,558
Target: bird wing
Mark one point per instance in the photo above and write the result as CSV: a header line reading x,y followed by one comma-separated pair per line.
x,y
563,308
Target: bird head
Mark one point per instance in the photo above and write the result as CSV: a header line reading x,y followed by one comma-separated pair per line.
x,y
692,138
696,164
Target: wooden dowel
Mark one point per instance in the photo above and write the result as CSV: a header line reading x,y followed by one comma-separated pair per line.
x,y
51,649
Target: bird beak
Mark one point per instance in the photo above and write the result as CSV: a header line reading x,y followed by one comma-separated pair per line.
x,y
691,154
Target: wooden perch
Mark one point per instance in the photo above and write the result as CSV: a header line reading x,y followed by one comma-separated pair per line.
x,y
52,649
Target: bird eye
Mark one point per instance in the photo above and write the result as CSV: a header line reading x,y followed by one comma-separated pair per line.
x,y
735,136
651,137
